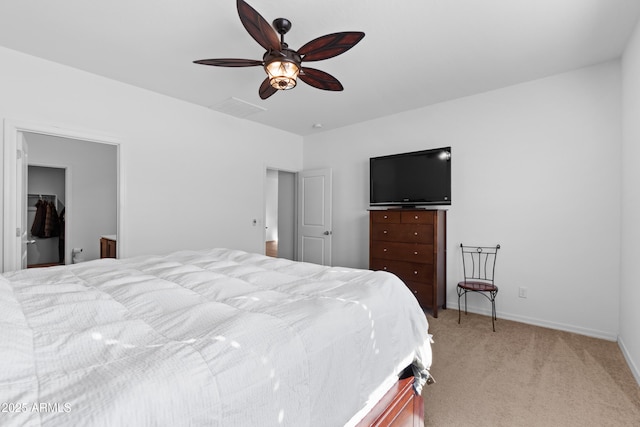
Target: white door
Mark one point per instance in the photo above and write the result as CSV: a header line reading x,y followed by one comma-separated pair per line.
x,y
16,230
314,216
22,169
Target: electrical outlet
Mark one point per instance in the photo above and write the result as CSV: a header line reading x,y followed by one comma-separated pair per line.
x,y
522,292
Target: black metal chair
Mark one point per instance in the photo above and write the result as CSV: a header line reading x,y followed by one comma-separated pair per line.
x,y
479,267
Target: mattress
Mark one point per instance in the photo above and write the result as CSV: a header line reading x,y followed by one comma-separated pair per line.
x,y
214,337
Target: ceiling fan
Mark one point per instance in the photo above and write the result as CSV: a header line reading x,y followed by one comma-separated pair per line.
x,y
283,65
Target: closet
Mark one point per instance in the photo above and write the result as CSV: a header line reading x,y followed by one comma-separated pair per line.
x,y
46,216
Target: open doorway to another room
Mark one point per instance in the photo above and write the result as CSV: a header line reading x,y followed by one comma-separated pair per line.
x,y
280,214
92,183
83,185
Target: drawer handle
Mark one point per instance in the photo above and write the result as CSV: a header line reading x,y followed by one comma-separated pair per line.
x,y
415,272
385,217
415,234
416,217
384,232
415,292
415,253
384,268
384,250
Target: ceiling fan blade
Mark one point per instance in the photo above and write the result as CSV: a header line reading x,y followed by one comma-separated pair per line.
x,y
330,45
266,90
258,27
319,79
229,62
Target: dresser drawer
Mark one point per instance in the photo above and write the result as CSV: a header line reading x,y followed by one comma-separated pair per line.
x,y
385,217
410,233
413,252
417,217
406,271
423,293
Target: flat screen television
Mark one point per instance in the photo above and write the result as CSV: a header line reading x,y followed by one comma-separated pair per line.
x,y
411,179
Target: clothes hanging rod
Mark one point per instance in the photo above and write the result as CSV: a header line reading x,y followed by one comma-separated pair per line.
x,y
42,195
55,198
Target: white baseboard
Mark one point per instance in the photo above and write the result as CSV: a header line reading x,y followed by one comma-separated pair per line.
x,y
594,333
634,369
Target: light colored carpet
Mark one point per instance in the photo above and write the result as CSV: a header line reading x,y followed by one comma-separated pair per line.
x,y
524,375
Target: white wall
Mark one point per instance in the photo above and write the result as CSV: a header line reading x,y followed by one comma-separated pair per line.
x,y
630,289
535,168
93,173
192,177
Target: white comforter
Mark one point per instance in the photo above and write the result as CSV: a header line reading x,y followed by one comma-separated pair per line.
x,y
216,338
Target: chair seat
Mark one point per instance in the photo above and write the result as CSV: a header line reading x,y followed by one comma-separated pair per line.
x,y
473,285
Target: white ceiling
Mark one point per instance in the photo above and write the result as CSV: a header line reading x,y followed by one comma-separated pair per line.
x,y
415,53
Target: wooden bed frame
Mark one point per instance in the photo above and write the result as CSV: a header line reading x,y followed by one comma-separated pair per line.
x,y
399,407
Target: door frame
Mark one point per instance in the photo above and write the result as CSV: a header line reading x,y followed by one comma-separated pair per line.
x,y
13,130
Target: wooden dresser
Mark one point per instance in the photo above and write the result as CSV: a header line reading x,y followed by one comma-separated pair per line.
x,y
411,243
108,246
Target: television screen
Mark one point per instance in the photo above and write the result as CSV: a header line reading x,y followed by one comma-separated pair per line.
x,y
411,179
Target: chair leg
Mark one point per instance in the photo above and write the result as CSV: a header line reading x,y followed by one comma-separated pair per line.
x,y
459,295
494,316
465,302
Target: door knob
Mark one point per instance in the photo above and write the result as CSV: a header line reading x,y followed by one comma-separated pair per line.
x,y
327,233
30,242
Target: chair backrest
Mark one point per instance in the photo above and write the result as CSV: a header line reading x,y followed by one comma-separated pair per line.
x,y
479,262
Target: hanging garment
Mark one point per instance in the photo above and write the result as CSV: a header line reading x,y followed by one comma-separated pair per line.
x,y
47,220
37,229
51,223
55,221
62,237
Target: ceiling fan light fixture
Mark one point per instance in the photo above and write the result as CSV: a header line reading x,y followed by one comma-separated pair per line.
x,y
283,65
282,74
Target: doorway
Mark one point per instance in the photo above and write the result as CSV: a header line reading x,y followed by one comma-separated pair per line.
x,y
91,205
46,209
298,215
280,214
94,159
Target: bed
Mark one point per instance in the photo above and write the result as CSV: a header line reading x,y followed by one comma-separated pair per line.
x,y
215,337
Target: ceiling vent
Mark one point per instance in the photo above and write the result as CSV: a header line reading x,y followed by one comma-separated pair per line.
x,y
237,108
